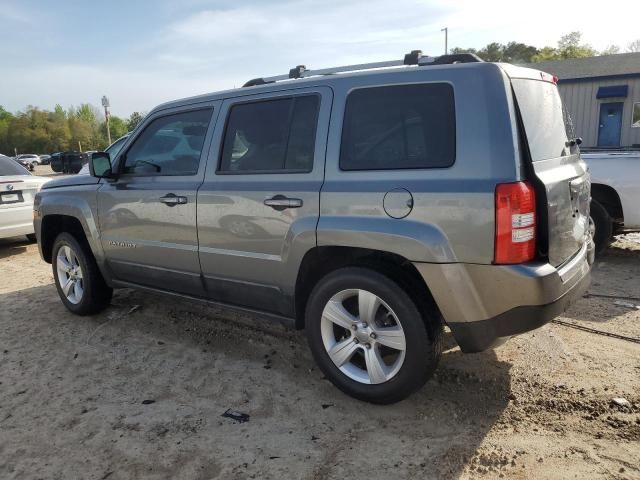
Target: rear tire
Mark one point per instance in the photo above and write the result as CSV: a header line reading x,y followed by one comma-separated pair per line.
x,y
603,227
78,280
358,372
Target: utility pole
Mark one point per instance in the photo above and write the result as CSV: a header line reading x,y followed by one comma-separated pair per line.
x,y
105,104
446,39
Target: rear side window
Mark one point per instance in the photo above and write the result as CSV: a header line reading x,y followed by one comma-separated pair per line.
x,y
547,125
169,145
399,127
271,136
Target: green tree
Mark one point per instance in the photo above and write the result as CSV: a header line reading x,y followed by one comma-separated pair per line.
x,y
493,52
544,54
515,52
6,118
41,131
569,46
117,126
610,50
60,131
512,52
456,50
134,120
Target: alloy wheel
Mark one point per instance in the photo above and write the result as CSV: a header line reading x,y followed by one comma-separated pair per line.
x,y
70,276
363,336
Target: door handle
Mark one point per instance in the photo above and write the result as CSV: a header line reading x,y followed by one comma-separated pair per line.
x,y
280,202
171,200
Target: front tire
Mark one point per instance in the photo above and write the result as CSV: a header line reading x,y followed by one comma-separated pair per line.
x,y
603,226
78,281
368,336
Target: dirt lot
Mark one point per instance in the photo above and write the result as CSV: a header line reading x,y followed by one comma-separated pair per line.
x,y
75,394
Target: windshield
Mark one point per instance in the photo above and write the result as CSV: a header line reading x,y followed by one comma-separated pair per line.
x,y
9,166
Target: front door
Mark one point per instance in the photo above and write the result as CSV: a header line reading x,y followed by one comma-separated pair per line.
x,y
148,215
259,205
610,124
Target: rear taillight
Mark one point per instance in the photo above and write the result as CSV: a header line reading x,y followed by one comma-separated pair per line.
x,y
515,223
549,78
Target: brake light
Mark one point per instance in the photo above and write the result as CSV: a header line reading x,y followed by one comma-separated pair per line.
x,y
515,223
547,77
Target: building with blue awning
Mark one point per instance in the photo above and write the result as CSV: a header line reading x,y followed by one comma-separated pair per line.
x,y
602,96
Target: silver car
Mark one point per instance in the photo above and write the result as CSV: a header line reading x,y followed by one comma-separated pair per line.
x,y
17,192
369,206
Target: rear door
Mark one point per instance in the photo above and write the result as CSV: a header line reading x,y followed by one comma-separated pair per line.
x,y
148,215
556,163
259,205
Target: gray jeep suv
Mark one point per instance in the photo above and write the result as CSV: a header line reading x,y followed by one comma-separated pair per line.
x,y
370,206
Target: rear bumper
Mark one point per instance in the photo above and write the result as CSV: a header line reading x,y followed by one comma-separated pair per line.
x,y
483,304
16,221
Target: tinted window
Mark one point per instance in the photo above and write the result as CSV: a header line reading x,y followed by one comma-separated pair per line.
x,y
115,147
547,126
169,145
406,126
8,166
271,135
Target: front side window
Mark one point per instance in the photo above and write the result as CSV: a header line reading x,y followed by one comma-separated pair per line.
x,y
399,127
169,145
271,135
115,147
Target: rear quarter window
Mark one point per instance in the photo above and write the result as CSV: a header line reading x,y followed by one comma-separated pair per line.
x,y
399,127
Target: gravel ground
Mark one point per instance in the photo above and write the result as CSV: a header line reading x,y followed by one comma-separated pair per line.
x,y
138,392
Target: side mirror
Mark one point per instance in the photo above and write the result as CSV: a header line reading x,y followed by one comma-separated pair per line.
x,y
100,165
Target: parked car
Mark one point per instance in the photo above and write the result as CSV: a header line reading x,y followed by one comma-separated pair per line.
x,y
615,192
17,191
25,161
369,208
28,159
45,159
112,150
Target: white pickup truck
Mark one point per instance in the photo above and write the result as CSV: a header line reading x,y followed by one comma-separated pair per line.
x,y
615,194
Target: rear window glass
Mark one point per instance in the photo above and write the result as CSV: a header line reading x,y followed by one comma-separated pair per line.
x,y
399,127
547,125
8,166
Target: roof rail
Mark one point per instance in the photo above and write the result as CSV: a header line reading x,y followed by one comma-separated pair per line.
x,y
414,57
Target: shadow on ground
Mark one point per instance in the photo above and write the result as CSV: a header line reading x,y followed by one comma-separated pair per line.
x,y
73,392
13,246
613,274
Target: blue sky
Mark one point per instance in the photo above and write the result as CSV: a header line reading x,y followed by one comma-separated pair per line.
x,y
141,53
